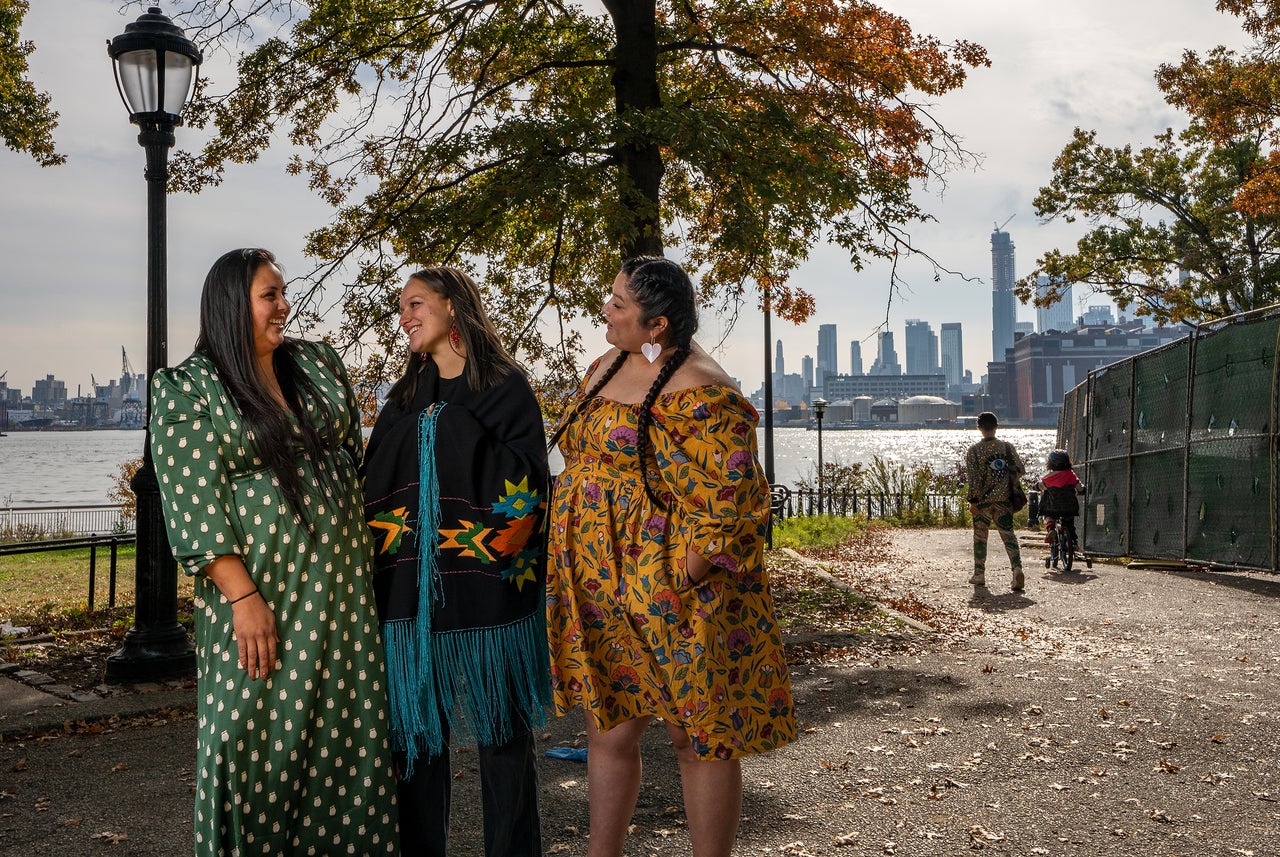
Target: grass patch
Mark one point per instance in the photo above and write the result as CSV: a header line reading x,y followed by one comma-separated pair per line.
x,y
49,592
810,532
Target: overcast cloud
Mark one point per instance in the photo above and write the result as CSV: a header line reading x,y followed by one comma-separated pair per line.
x,y
72,290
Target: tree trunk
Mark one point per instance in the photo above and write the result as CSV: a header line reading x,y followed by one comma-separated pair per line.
x,y
635,88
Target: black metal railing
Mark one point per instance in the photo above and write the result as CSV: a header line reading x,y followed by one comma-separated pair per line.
x,y
111,543
793,502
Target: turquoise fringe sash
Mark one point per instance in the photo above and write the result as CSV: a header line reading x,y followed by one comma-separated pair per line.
x,y
452,677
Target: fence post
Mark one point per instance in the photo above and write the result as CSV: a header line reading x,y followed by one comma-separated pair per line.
x,y
111,583
93,568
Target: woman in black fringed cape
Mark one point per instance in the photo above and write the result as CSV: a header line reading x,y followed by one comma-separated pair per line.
x,y
455,487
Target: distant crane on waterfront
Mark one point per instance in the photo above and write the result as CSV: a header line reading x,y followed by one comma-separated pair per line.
x,y
126,372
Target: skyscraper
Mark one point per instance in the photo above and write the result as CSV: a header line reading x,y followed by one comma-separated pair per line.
x,y
886,357
779,368
1004,306
952,343
1058,316
922,348
826,353
806,372
855,358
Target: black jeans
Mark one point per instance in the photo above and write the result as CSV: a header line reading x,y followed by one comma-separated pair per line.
x,y
509,791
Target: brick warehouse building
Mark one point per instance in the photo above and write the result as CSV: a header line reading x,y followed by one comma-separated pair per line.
x,y
1029,386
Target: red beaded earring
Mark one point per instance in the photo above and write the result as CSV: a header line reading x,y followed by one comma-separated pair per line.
x,y
454,336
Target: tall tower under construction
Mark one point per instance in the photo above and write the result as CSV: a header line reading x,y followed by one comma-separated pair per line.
x,y
1004,306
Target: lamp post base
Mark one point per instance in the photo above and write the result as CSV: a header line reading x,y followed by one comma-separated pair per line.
x,y
155,653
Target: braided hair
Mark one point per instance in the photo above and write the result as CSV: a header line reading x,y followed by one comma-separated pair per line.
x,y
660,288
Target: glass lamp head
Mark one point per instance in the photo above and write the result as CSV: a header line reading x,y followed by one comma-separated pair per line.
x,y
156,67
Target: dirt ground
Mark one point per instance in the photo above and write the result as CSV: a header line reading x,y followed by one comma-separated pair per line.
x,y
1111,711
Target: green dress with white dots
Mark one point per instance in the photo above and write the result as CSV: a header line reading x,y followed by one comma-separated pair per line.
x,y
298,763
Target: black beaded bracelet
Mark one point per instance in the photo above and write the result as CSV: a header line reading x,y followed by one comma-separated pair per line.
x,y
253,591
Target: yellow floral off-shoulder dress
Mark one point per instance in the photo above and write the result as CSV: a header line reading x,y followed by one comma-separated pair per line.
x,y
631,635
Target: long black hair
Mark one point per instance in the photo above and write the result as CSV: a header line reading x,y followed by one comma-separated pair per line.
x,y
226,338
488,361
660,287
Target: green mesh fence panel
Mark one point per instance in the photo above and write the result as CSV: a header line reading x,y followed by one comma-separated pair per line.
x,y
1104,507
1155,504
1147,486
1231,392
1229,518
1080,427
1109,419
1071,424
1160,399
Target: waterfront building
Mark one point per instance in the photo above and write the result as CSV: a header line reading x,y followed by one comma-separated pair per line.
x,y
951,342
886,362
50,392
827,359
1098,315
1003,302
922,348
1058,316
806,372
1041,368
918,410
895,387
855,358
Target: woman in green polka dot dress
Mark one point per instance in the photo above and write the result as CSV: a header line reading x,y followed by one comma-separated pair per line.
x,y
256,439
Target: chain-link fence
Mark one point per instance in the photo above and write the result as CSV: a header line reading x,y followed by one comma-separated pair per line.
x,y
1178,448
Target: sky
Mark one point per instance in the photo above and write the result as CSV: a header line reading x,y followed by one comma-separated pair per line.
x,y
73,286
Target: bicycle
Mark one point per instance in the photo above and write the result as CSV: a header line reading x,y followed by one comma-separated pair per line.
x,y
1063,547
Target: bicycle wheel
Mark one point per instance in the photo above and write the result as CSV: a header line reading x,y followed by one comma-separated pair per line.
x,y
1066,551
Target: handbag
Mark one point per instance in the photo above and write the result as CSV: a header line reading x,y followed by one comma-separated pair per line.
x,y
1017,497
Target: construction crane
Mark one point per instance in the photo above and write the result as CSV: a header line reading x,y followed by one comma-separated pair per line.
x,y
1001,227
126,372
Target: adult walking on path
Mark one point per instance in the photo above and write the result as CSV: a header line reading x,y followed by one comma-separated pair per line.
x,y
992,466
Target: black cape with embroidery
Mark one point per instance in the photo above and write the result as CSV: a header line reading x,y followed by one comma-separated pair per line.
x,y
463,611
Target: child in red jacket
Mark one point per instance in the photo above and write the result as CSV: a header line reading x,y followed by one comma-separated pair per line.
x,y
1058,495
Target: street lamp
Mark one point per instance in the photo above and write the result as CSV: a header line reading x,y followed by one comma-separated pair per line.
x,y
819,408
155,68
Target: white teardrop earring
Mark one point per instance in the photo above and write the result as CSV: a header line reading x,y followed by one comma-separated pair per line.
x,y
651,349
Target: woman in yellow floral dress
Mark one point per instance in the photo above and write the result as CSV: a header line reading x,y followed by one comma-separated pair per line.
x,y
658,602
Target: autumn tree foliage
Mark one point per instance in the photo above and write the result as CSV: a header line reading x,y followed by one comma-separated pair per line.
x,y
1233,94
1184,229
542,142
26,119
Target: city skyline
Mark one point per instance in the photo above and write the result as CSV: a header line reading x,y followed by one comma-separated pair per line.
x,y
75,235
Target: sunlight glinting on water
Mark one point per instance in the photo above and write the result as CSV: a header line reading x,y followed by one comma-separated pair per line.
x,y
78,468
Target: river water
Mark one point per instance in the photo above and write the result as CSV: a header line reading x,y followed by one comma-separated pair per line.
x,y
77,467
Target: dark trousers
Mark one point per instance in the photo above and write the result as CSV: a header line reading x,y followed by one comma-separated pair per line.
x,y
509,793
